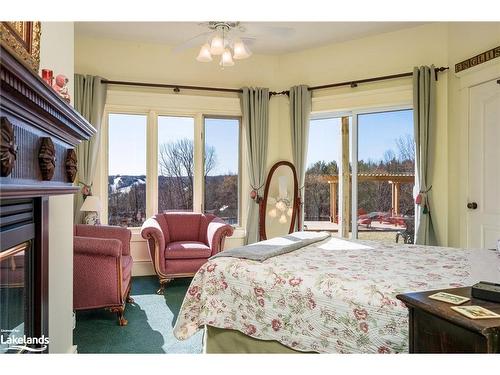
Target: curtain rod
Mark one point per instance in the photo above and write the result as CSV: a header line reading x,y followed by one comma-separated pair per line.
x,y
178,88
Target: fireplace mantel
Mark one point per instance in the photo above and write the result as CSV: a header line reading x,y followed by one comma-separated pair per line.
x,y
39,134
43,127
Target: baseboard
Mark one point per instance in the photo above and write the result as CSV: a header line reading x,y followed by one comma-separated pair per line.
x,y
142,268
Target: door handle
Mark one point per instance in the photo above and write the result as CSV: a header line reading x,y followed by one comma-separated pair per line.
x,y
472,205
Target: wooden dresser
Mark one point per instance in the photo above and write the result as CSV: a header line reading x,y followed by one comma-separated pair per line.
x,y
436,328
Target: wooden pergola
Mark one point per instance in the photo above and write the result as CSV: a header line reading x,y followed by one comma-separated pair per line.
x,y
395,179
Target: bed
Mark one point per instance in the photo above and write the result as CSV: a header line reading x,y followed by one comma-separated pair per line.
x,y
333,296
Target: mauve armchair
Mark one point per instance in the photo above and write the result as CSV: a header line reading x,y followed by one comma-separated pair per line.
x,y
102,268
181,242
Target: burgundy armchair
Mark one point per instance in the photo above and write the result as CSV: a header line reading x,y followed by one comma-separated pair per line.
x,y
102,268
181,242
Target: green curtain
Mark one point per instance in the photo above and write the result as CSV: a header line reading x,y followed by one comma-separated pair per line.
x,y
90,97
255,109
424,111
300,109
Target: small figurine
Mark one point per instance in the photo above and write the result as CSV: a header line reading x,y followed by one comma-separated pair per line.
x,y
61,87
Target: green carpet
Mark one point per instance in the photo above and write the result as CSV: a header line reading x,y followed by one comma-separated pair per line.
x,y
150,323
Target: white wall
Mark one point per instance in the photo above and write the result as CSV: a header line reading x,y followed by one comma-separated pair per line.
x,y
57,42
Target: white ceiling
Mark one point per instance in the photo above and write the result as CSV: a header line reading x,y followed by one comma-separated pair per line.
x,y
270,37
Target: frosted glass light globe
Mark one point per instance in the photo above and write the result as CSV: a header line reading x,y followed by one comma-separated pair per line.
x,y
240,50
204,55
217,45
227,59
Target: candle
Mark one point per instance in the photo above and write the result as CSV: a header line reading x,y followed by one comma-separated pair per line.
x,y
48,76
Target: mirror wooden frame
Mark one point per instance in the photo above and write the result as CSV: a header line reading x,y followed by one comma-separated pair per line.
x,y
263,202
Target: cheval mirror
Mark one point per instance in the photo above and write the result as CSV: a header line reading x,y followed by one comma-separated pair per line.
x,y
279,208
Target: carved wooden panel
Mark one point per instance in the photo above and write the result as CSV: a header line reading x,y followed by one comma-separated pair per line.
x,y
71,165
47,158
8,147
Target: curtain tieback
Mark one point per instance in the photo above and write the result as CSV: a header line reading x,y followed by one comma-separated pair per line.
x,y
423,200
86,189
254,193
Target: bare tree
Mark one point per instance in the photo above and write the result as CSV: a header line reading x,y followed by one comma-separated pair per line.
x,y
176,159
406,147
176,171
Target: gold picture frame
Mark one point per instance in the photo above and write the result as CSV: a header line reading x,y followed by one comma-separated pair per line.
x,y
22,39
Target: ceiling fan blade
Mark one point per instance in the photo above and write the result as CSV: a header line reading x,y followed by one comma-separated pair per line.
x,y
195,41
260,29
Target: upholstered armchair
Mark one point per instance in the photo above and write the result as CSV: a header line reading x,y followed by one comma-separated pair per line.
x,y
102,268
180,242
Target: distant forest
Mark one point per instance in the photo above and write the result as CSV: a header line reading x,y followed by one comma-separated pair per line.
x,y
127,194
372,196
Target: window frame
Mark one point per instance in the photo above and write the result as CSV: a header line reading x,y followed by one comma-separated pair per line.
x,y
198,113
240,121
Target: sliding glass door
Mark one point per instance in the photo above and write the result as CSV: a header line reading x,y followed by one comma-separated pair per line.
x,y
383,176
360,175
322,167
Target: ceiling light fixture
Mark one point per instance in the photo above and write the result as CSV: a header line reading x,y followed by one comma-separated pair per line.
x,y
204,55
221,43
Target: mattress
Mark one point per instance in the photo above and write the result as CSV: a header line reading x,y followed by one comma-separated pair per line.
x,y
335,296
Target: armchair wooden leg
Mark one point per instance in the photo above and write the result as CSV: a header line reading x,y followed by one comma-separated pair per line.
x,y
163,284
121,317
129,299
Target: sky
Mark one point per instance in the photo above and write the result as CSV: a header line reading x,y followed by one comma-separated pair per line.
x,y
127,144
223,135
127,141
377,133
127,138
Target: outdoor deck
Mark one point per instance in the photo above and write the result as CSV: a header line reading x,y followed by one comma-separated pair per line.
x,y
377,232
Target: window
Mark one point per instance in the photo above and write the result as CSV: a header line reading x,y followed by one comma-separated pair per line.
x,y
127,169
323,158
386,173
175,163
192,164
221,167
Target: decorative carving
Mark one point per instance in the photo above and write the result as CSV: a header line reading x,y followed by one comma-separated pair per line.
x,y
23,39
47,158
71,164
8,148
478,59
39,112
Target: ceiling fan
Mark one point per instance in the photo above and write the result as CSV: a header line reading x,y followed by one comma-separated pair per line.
x,y
230,40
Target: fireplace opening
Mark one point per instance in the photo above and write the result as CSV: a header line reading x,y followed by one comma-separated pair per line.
x,y
23,277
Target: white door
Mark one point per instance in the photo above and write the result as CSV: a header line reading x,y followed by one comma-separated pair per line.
x,y
484,165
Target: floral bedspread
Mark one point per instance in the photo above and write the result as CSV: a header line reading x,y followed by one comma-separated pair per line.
x,y
334,296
